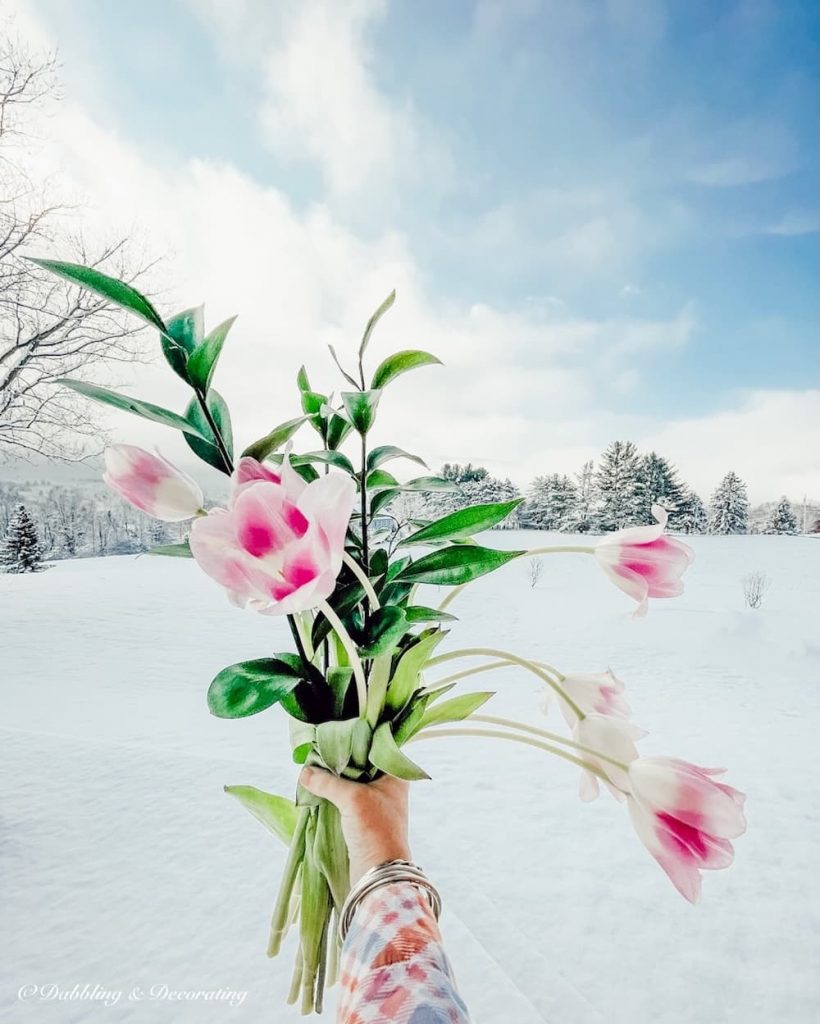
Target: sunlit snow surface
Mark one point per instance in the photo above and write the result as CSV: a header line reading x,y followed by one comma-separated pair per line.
x,y
124,865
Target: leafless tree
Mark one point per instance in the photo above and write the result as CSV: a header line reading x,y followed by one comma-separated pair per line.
x,y
48,329
535,566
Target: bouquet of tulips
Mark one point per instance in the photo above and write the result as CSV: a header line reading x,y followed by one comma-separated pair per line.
x,y
311,536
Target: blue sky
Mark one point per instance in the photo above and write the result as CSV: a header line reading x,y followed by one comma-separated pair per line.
x,y
644,171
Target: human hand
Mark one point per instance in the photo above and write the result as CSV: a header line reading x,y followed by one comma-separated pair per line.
x,y
374,816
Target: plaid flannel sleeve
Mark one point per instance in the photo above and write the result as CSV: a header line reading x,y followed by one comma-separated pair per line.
x,y
393,964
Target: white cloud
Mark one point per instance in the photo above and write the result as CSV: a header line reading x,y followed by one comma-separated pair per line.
x,y
320,102
769,438
523,392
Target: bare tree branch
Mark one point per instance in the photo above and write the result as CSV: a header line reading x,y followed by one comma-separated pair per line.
x,y
48,329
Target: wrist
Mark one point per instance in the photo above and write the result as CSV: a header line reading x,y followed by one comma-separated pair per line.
x,y
378,855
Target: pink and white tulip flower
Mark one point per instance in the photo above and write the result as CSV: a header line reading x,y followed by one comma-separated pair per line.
x,y
598,692
615,738
278,547
684,818
643,562
151,484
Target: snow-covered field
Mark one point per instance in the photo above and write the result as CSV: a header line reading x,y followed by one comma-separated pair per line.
x,y
125,867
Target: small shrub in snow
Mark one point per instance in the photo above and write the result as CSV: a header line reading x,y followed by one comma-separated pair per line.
x,y
535,567
755,585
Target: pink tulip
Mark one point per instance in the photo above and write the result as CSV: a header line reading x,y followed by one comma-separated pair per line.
x,y
684,818
278,547
614,737
643,562
599,692
151,484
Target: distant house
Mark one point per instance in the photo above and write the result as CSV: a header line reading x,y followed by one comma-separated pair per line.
x,y
815,527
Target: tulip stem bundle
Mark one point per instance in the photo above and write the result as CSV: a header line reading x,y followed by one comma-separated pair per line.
x,y
514,659
500,734
355,691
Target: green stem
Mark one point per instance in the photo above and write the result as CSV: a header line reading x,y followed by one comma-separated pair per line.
x,y
469,672
359,573
352,653
432,732
297,639
279,921
492,652
554,736
296,979
532,551
363,488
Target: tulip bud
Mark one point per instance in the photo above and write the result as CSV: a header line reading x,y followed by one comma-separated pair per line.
x,y
151,484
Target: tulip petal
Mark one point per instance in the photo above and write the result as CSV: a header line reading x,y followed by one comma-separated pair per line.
x,y
261,525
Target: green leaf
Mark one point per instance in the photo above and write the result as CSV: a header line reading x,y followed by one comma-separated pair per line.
x,y
386,756
302,381
400,362
378,479
202,361
275,812
361,408
343,371
275,439
409,722
406,675
302,737
339,678
251,686
456,709
135,405
332,458
387,625
378,562
335,742
337,430
118,292
463,523
419,613
396,567
207,450
430,483
371,323
182,550
381,499
421,483
361,738
434,692
455,565
385,452
312,403
182,335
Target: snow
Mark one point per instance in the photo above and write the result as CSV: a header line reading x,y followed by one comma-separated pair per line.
x,y
124,865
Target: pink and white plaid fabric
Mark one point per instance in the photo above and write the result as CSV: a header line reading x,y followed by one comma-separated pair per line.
x,y
394,969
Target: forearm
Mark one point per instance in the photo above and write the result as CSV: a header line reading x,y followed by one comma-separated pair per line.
x,y
394,964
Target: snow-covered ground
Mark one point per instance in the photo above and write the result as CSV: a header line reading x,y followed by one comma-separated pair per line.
x,y
124,866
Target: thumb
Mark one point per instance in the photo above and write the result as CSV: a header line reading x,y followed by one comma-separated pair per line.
x,y
325,784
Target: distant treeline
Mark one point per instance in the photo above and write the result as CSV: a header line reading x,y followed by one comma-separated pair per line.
x,y
73,521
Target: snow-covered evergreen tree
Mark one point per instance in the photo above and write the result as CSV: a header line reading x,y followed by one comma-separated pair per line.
x,y
659,485
20,551
692,517
729,511
476,486
583,518
783,519
551,503
620,491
